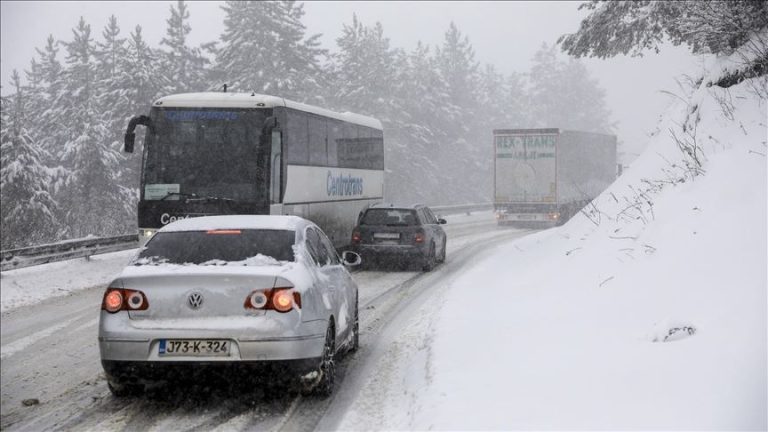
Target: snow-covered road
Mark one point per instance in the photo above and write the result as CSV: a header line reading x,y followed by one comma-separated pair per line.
x,y
49,353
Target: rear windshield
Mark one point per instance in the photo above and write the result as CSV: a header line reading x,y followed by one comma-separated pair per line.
x,y
221,247
390,217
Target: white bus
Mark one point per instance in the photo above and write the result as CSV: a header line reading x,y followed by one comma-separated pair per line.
x,y
243,153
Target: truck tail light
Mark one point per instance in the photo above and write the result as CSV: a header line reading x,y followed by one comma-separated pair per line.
x,y
356,237
117,299
281,299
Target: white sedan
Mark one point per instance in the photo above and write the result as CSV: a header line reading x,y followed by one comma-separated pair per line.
x,y
264,294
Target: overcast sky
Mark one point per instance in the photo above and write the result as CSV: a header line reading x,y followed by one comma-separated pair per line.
x,y
505,34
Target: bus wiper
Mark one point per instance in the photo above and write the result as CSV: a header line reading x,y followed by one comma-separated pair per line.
x,y
181,194
210,198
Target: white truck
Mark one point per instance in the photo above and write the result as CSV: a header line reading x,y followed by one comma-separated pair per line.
x,y
546,176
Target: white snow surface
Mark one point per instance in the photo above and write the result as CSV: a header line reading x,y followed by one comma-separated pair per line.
x,y
32,285
566,329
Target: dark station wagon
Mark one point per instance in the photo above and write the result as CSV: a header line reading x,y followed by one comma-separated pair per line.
x,y
400,234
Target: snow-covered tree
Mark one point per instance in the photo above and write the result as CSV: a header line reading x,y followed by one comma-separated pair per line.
x,y
365,71
141,80
456,62
707,27
266,50
95,202
111,94
184,65
46,85
563,94
27,210
464,152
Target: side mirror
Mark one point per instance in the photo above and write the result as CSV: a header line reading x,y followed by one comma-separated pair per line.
x,y
130,136
351,258
129,141
442,221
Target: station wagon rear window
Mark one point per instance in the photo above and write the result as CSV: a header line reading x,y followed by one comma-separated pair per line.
x,y
218,247
390,217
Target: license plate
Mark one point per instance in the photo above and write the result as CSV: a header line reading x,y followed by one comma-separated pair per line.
x,y
527,217
387,236
193,347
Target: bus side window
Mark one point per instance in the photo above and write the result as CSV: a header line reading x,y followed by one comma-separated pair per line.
x,y
297,138
348,147
318,152
334,135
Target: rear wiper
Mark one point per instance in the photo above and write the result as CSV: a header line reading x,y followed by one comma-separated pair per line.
x,y
181,194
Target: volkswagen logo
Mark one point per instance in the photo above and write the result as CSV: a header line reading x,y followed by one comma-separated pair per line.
x,y
195,300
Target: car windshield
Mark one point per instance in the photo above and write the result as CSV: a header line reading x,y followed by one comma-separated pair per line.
x,y
219,247
390,217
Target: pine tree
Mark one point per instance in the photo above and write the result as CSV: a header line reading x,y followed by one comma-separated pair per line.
x,y
111,95
365,71
94,200
46,85
266,50
142,80
706,27
184,65
415,153
564,95
27,210
465,150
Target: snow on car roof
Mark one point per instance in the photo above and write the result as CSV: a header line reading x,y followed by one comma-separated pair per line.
x,y
205,223
253,100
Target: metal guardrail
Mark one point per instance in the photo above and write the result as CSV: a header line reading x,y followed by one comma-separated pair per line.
x,y
42,254
462,208
26,257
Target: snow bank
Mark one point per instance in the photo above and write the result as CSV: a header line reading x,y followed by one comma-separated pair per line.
x,y
32,285
647,311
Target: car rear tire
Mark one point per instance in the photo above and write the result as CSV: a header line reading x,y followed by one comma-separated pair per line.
x,y
124,390
327,368
355,331
429,260
442,254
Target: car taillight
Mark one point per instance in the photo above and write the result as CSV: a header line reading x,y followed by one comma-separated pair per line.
x,y
419,238
117,299
113,301
281,299
356,237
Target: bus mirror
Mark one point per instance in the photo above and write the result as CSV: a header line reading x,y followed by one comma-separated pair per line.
x,y
270,125
130,135
129,140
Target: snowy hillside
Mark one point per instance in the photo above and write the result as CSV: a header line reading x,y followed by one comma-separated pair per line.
x,y
646,311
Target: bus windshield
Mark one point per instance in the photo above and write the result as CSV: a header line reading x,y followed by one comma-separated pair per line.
x,y
206,153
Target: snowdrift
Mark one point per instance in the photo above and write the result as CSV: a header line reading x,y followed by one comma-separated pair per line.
x,y
646,311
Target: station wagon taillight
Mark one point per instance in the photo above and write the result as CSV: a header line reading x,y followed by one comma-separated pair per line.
x,y
419,237
281,299
117,299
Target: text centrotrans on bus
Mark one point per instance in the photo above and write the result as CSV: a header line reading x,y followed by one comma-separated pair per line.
x,y
241,153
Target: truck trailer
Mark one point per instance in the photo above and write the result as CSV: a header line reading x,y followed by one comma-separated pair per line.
x,y
545,176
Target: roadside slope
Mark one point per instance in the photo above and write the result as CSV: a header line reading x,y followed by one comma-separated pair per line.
x,y
566,329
